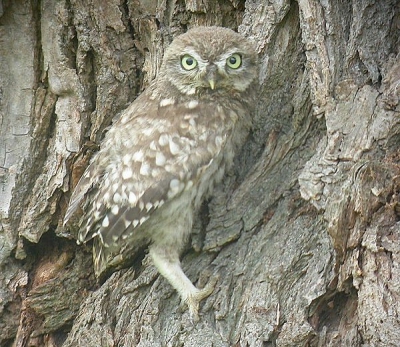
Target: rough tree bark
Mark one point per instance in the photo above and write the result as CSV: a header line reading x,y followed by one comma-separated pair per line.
x,y
304,233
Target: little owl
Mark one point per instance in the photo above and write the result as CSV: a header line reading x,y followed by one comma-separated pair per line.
x,y
163,156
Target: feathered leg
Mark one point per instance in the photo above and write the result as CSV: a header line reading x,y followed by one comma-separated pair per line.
x,y
168,264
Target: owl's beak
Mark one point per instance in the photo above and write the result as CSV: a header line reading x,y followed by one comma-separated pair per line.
x,y
211,76
211,82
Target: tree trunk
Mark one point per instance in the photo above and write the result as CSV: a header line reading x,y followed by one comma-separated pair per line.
x,y
303,234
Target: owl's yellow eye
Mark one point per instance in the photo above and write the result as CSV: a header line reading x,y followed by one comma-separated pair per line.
x,y
234,61
188,62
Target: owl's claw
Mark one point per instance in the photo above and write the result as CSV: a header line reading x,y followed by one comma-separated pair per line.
x,y
193,299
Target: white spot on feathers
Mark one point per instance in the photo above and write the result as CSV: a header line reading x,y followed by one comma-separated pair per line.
x,y
117,198
132,198
192,122
175,187
173,147
192,104
155,172
127,223
148,131
169,168
127,173
145,169
189,184
106,222
106,196
141,205
174,183
115,210
163,139
153,145
126,159
166,102
138,156
160,159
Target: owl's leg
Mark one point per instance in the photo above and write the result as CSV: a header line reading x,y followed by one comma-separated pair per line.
x,y
168,264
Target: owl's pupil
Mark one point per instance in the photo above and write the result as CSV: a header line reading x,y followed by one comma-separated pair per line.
x,y
232,60
189,61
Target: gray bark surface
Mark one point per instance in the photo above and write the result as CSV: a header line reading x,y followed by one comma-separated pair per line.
x,y
303,234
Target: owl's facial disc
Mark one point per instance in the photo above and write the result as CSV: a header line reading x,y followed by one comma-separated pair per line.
x,y
192,72
208,72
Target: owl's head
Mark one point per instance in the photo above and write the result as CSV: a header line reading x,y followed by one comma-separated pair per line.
x,y
212,58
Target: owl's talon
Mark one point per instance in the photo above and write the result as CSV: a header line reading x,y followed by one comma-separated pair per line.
x,y
193,300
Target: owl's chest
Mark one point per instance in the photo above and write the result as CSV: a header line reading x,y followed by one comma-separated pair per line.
x,y
209,179
172,223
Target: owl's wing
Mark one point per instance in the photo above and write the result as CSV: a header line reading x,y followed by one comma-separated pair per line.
x,y
146,161
85,184
91,178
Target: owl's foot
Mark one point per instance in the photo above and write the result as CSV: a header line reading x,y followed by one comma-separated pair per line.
x,y
169,266
193,299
